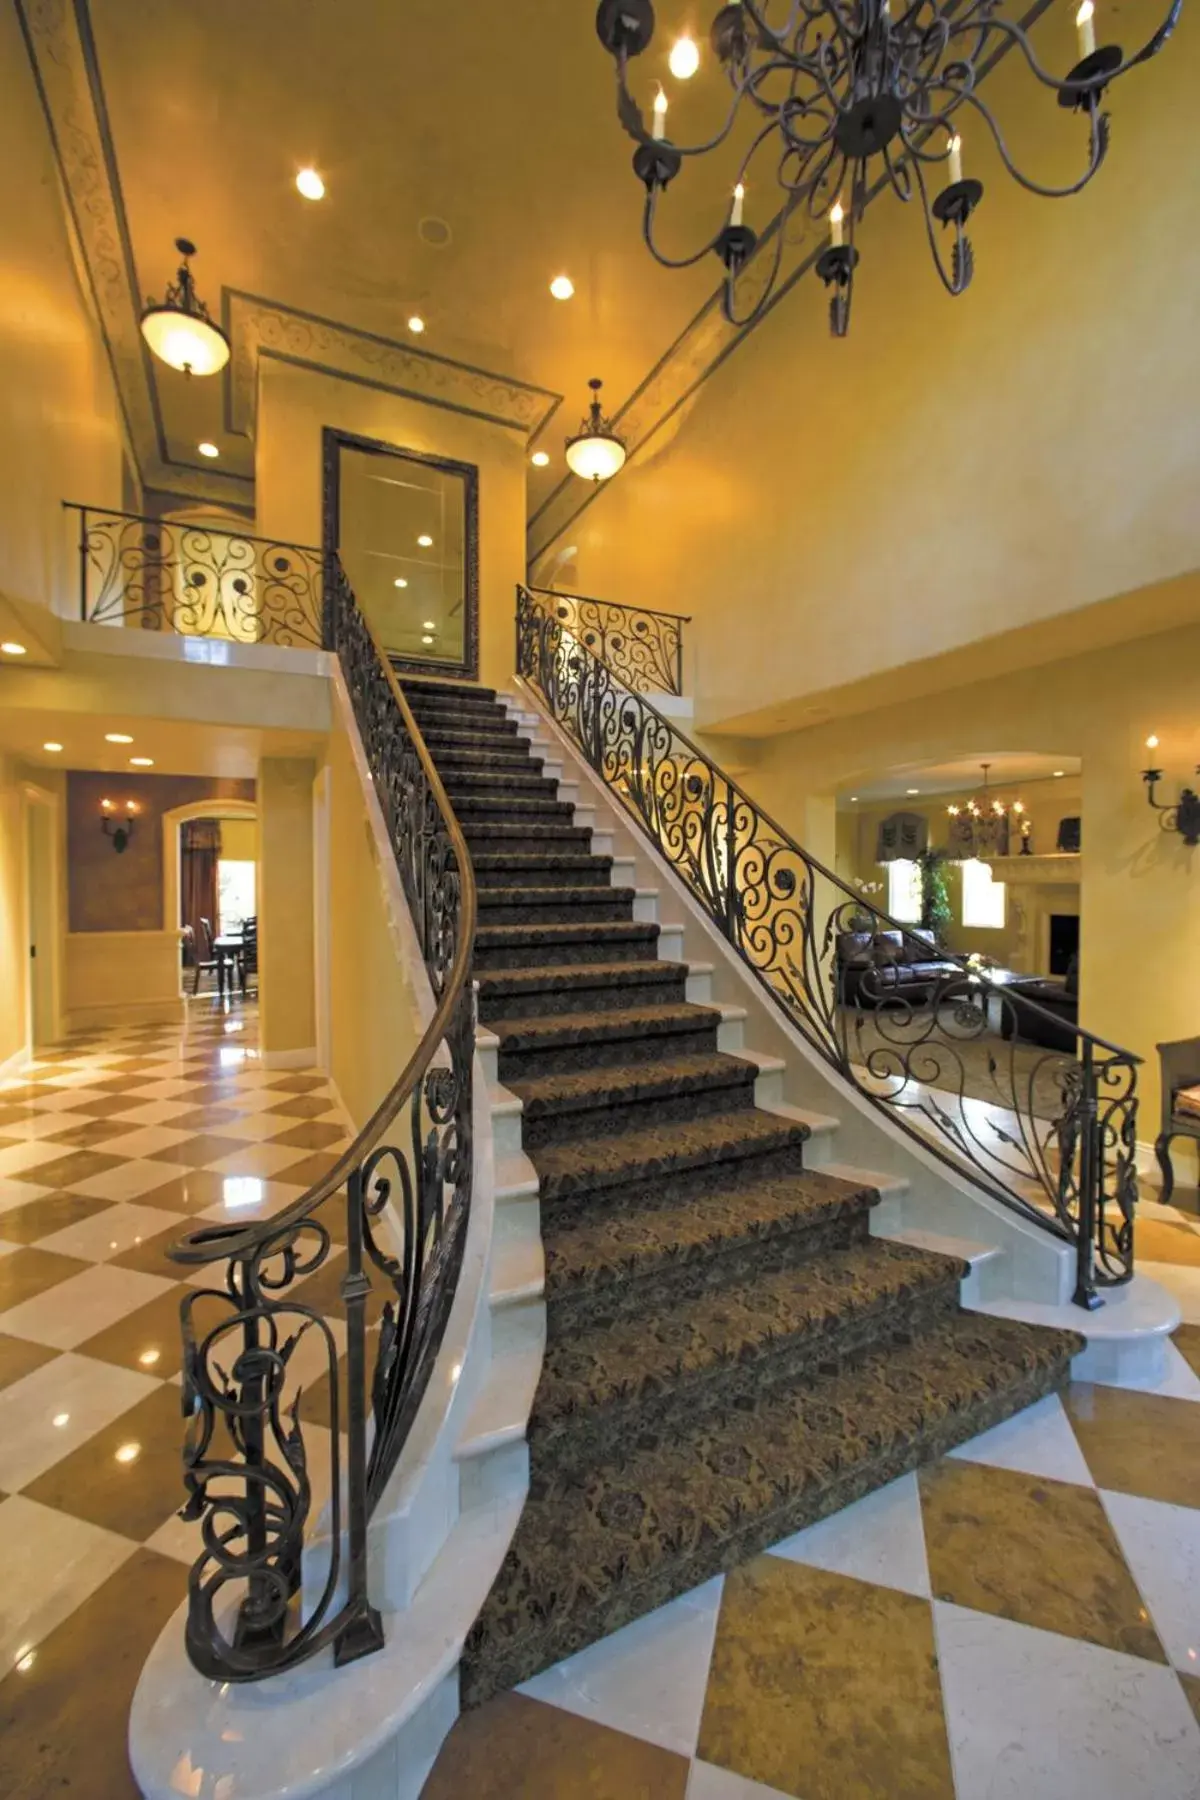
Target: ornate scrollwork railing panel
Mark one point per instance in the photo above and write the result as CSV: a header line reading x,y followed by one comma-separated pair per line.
x,y
957,1058
642,648
254,1347
197,580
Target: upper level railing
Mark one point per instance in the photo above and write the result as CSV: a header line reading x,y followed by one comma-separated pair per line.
x,y
958,1058
400,1198
643,649
199,580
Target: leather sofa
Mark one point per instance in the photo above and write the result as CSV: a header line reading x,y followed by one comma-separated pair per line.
x,y
877,966
1054,1025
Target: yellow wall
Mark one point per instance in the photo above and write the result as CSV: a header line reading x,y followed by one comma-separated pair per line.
x,y
61,437
13,999
295,404
1140,888
286,973
829,509
122,977
239,840
372,1009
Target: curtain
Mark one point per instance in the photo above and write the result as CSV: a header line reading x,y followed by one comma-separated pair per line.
x,y
200,851
902,837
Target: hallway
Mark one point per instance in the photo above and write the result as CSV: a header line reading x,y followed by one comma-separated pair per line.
x,y
112,1146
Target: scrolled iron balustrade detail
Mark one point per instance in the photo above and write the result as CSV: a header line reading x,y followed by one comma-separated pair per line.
x,y
198,580
643,649
1052,1135
258,1604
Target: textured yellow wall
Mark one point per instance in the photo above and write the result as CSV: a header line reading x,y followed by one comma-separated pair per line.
x,y
287,979
14,1024
294,406
953,468
373,1028
61,438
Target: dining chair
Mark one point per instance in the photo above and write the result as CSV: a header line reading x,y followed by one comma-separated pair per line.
x,y
205,959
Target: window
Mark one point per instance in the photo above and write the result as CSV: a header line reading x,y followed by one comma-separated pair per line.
x,y
982,898
235,893
904,891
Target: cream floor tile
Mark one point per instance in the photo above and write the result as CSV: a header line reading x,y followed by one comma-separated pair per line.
x,y
115,1229
145,1142
1161,1544
84,1304
880,1538
707,1782
647,1679
126,1181
263,1159
159,1089
16,1158
149,1112
47,1414
49,1563
67,1099
250,1197
1179,1280
6,1249
1035,1716
1038,1441
19,1193
256,1127
42,1124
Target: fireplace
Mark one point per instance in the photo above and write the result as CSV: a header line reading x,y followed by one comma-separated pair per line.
x,y
1064,941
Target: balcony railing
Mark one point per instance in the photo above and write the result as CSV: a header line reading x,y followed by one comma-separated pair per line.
x,y
644,649
956,1060
198,580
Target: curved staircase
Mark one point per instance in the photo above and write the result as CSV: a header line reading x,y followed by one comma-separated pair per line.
x,y
730,1355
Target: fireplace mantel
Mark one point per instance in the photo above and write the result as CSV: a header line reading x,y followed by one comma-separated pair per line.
x,y
1037,886
1063,867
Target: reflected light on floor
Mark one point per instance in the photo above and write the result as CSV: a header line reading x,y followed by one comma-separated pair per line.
x,y
243,1190
148,1358
128,1453
25,1659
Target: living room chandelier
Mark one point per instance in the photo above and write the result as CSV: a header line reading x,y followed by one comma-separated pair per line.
x,y
980,827
849,97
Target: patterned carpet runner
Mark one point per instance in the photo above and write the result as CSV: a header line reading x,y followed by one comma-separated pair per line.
x,y
730,1355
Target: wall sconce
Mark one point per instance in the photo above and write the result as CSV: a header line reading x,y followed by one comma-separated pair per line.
x,y
116,825
1184,816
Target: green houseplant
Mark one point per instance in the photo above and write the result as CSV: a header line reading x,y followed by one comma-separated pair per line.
x,y
936,914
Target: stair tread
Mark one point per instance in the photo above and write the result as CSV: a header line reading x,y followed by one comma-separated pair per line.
x,y
596,1549
578,1090
614,1243
616,1360
549,977
604,1161
540,1031
556,896
617,931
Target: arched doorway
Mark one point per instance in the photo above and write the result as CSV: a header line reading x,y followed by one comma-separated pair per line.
x,y
235,815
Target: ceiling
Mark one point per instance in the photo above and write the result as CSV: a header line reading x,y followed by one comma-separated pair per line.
x,y
176,747
497,120
964,774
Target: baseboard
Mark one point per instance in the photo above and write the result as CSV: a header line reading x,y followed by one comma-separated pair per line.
x,y
171,1011
290,1059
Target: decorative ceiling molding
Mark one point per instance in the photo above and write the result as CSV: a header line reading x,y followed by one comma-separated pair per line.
x,y
268,328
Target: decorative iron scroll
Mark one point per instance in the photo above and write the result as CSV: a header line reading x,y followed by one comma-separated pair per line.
x,y
198,580
1038,1113
643,649
254,1346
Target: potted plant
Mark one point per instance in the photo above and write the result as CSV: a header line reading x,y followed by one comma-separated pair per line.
x,y
936,913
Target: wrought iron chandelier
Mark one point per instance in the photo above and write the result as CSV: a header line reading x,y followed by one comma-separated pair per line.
x,y
980,828
849,97
178,328
597,450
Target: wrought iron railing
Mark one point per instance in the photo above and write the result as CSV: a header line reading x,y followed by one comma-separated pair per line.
x,y
1035,1111
197,579
644,649
400,1196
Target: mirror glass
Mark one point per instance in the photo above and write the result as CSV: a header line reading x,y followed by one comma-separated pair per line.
x,y
402,538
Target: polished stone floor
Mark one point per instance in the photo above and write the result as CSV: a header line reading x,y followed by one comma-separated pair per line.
x,y
1019,1622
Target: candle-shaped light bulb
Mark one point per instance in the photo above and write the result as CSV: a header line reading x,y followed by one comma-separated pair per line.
x,y
1085,26
955,159
836,215
735,211
106,806
660,113
1152,742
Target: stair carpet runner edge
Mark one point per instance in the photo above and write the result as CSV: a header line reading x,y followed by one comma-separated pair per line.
x,y
730,1355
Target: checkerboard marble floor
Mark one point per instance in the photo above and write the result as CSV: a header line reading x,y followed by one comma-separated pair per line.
x,y
1020,1620
112,1146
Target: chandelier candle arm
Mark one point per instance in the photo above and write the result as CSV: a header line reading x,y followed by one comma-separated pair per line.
x,y
857,88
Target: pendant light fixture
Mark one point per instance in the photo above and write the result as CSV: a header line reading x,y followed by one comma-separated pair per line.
x,y
595,452
178,328
979,829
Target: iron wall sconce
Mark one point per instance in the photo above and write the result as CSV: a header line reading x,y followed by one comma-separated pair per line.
x,y
118,826
1184,815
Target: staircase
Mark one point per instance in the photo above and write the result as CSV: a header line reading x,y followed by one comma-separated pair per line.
x,y
730,1355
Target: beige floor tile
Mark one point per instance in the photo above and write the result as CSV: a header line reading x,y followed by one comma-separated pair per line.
x,y
54,1211
1136,1443
49,1563
31,1271
28,1154
264,1159
1186,1339
77,1308
188,1191
116,1228
514,1748
72,1168
18,1358
51,1411
129,1180
128,1476
825,1687
148,1339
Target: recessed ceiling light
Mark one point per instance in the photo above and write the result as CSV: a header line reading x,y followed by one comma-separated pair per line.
x,y
562,287
427,639
429,625
854,796
1057,772
310,184
416,324
117,737
912,790
53,748
141,762
540,458
128,1453
425,541
11,649
684,59
400,582
207,449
